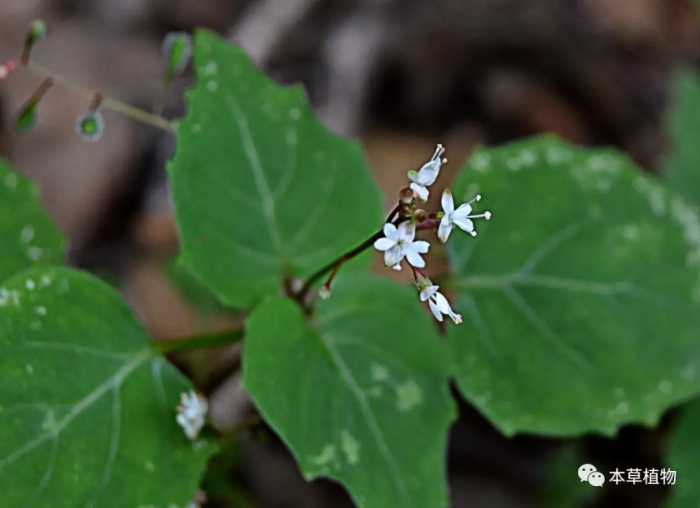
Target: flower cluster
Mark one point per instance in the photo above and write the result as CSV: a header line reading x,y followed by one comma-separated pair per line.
x,y
399,240
191,413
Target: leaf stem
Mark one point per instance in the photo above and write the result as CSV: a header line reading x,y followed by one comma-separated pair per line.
x,y
199,342
108,103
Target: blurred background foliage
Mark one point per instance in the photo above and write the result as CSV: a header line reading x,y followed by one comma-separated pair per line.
x,y
400,75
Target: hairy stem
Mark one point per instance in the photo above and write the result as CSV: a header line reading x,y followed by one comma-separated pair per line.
x,y
107,103
199,342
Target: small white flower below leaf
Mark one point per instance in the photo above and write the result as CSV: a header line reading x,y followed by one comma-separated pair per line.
x,y
461,217
426,176
437,302
191,413
398,243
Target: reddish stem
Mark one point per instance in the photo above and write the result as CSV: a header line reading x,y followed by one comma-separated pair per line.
x,y
335,265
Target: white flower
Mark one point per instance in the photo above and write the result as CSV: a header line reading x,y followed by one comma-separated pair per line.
x,y
426,176
437,302
398,243
461,217
191,413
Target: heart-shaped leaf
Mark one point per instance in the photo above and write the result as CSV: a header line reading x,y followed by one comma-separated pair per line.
x,y
581,297
359,394
28,235
262,190
87,408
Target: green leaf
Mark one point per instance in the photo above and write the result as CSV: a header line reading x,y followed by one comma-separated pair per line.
x,y
191,289
28,235
87,408
581,296
684,458
682,165
360,394
262,190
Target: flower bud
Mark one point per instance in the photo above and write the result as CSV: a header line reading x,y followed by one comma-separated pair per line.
x,y
27,117
406,195
90,127
37,31
177,50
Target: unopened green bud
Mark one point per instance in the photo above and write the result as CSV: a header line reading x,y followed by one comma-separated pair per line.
x,y
177,50
27,117
90,127
37,31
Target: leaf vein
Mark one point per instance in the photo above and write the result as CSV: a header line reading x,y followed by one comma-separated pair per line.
x,y
255,165
372,423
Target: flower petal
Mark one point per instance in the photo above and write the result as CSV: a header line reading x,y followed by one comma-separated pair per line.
x,y
421,192
444,306
384,244
429,172
414,258
428,292
435,310
420,247
390,231
464,224
463,211
393,256
448,204
442,303
444,229
407,231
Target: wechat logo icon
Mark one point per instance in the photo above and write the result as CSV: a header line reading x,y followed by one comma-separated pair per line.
x,y
589,473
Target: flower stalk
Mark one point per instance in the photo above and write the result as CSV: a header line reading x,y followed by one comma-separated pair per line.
x,y
334,266
396,240
37,31
108,103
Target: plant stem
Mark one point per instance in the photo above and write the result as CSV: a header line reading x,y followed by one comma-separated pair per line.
x,y
198,342
108,103
338,262
341,260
